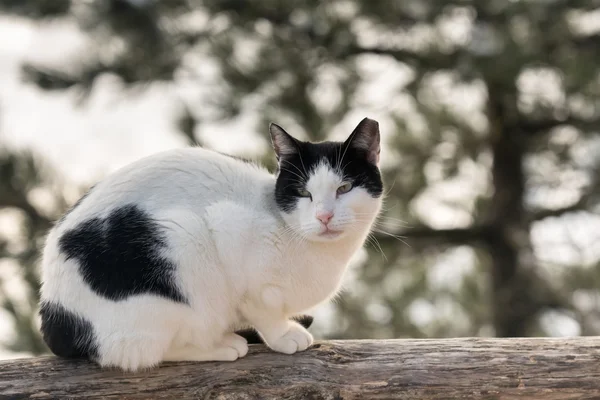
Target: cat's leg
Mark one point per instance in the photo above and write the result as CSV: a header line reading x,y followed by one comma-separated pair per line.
x,y
230,348
134,334
131,351
253,337
205,334
278,331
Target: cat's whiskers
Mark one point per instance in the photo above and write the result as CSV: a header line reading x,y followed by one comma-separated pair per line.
x,y
295,238
293,184
392,223
298,245
372,239
397,237
380,215
294,230
302,162
348,144
346,165
302,179
293,165
376,229
339,160
389,221
385,194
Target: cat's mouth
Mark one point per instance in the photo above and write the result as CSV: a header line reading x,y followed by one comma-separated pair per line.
x,y
330,233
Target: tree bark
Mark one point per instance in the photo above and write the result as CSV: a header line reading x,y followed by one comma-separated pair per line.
x,y
514,300
390,369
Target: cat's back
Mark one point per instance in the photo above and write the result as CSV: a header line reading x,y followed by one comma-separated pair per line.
x,y
129,225
189,178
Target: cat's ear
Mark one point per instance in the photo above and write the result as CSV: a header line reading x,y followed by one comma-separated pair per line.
x,y
283,143
365,138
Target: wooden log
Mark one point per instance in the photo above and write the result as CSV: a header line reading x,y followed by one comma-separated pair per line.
x,y
541,368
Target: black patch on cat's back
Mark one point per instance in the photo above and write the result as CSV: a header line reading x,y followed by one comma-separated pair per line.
x,y
120,255
67,334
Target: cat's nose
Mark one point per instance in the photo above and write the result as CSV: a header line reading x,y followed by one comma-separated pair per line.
x,y
324,216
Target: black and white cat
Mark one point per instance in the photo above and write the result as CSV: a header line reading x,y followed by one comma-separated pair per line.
x,y
167,257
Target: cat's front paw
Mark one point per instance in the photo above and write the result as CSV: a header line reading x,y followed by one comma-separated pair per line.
x,y
296,339
237,345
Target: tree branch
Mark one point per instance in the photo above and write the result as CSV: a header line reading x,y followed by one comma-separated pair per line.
x,y
423,235
542,126
424,61
557,212
466,368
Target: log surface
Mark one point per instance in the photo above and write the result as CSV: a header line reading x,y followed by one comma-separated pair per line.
x,y
382,369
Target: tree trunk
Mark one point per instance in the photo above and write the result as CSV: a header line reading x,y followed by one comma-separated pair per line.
x,y
512,261
390,369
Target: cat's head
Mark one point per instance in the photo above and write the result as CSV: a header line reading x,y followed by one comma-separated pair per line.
x,y
328,190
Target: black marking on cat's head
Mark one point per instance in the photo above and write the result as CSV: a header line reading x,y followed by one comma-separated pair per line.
x,y
67,334
122,255
356,159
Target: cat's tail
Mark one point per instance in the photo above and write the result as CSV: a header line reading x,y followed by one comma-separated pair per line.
x,y
252,336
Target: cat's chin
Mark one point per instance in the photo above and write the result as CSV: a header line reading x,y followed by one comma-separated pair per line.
x,y
331,234
328,236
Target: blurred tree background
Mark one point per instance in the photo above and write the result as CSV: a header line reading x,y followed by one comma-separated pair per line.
x,y
490,114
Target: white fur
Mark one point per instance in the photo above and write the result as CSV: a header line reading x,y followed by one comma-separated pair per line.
x,y
240,261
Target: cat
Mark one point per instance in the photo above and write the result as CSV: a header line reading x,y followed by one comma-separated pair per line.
x,y
187,254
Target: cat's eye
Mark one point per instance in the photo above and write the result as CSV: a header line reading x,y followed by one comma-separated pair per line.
x,y
304,193
345,188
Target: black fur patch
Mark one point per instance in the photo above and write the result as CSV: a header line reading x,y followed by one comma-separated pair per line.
x,y
252,336
353,165
66,334
119,256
